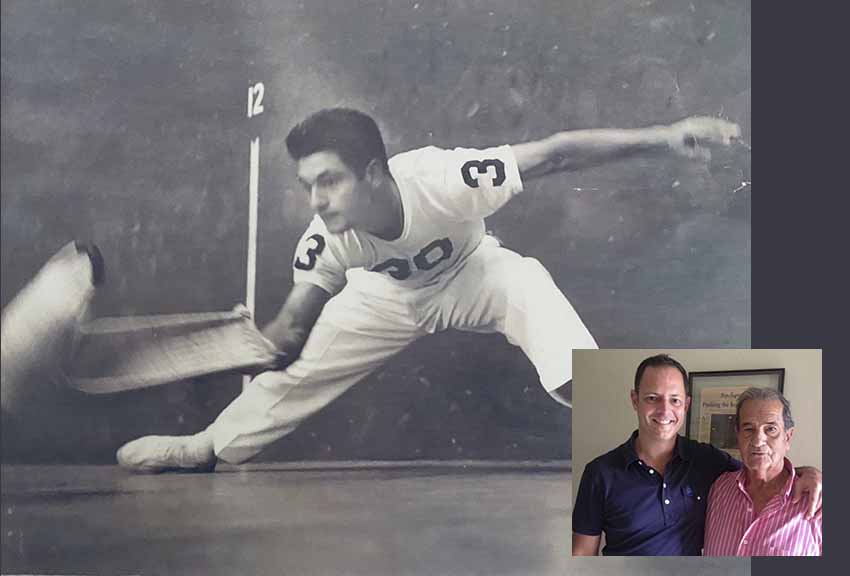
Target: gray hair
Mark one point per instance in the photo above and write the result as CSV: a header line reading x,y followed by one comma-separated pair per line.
x,y
765,394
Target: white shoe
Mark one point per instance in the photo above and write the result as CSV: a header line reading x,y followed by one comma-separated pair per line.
x,y
156,454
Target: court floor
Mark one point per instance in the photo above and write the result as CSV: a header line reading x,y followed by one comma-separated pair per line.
x,y
326,518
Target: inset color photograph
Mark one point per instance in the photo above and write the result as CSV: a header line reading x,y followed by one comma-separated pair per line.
x,y
697,452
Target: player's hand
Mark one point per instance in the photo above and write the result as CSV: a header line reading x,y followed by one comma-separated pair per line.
x,y
810,484
281,361
692,136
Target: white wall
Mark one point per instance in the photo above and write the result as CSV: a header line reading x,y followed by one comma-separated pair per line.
x,y
603,417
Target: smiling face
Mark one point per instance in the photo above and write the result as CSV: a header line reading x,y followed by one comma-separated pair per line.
x,y
661,403
762,437
337,195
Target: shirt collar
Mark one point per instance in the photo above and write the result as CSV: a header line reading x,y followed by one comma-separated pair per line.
x,y
629,453
791,477
789,484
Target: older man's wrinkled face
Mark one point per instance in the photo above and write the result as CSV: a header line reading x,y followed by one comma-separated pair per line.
x,y
762,437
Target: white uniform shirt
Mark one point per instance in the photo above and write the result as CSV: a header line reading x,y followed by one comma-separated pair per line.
x,y
445,195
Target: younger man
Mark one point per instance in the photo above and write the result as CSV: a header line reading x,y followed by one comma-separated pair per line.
x,y
398,250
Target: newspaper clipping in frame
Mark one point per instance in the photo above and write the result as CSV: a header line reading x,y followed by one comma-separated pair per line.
x,y
717,417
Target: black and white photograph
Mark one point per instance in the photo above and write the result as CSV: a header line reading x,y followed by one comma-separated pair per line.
x,y
294,287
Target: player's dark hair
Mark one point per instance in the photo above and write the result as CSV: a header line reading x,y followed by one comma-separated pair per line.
x,y
659,361
765,394
351,134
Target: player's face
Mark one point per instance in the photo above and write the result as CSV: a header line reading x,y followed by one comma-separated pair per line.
x,y
337,195
762,437
661,404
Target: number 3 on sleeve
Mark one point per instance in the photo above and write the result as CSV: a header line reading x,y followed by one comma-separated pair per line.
x,y
481,167
308,251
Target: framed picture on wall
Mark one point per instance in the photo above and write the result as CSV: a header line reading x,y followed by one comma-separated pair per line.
x,y
714,396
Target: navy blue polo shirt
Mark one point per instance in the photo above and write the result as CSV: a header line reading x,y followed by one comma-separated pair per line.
x,y
643,512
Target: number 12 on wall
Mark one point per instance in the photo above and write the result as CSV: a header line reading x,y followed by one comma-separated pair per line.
x,y
255,99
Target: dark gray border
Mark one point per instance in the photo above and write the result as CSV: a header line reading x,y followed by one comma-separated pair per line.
x,y
801,161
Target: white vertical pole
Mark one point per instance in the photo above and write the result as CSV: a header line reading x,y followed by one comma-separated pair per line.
x,y
255,107
253,196
253,186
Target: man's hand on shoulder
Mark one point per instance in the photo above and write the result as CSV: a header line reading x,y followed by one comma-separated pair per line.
x,y
810,484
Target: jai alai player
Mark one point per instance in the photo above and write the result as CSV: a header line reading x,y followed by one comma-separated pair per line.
x,y
398,250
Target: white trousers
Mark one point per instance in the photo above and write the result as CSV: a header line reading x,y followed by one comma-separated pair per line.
x,y
372,319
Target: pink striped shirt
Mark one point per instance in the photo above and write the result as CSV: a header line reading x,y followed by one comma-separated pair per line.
x,y
780,529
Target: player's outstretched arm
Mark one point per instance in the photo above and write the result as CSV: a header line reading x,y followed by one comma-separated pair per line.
x,y
577,149
292,325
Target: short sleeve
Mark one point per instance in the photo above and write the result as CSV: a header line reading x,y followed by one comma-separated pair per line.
x,y
588,512
316,261
470,184
724,461
715,461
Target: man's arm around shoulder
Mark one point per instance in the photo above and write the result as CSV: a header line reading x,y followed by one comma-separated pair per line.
x,y
810,484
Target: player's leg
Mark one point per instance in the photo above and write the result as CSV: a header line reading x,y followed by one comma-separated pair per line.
x,y
501,291
357,331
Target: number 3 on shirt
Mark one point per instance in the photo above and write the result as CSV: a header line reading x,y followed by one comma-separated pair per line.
x,y
308,251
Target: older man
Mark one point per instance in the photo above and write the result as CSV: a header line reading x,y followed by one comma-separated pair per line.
x,y
751,512
649,494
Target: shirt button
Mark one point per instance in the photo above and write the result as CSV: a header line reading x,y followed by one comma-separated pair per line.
x,y
699,497
743,541
666,501
664,484
651,471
